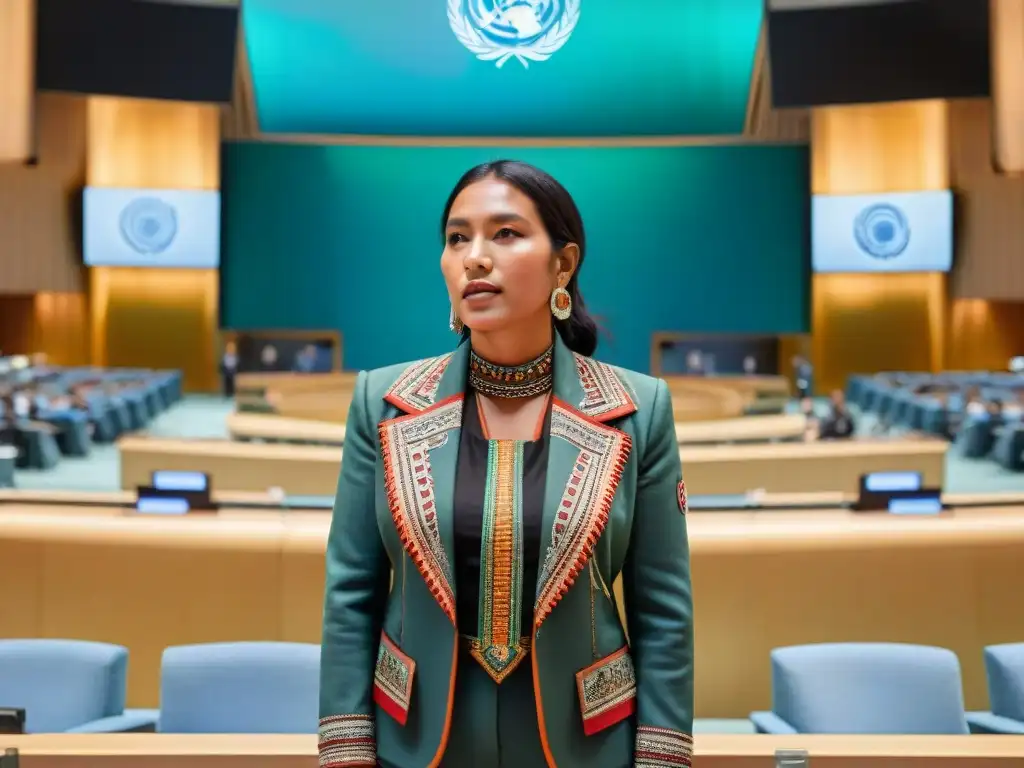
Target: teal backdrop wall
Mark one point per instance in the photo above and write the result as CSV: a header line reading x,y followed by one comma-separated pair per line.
x,y
690,239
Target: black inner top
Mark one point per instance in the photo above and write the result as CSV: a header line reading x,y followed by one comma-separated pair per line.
x,y
470,486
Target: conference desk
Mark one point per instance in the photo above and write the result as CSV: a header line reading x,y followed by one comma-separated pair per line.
x,y
760,580
309,470
748,429
710,751
327,396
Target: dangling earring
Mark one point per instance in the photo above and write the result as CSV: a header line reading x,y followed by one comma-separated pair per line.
x,y
454,323
561,304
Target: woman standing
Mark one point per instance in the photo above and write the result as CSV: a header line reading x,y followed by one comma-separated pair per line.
x,y
507,485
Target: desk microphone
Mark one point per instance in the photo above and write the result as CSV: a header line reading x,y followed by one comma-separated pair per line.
x,y
790,758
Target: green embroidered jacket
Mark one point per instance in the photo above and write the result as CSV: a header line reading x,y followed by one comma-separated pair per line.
x,y
615,505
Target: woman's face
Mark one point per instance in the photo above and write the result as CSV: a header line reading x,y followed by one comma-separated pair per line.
x,y
498,261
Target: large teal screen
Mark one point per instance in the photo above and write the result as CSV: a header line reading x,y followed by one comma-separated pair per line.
x,y
502,67
688,239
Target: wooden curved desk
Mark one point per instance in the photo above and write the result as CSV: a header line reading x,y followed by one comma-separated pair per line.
x,y
710,751
308,470
326,396
760,579
259,426
746,429
267,427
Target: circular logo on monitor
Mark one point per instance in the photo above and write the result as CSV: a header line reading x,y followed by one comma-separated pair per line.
x,y
149,225
882,231
526,30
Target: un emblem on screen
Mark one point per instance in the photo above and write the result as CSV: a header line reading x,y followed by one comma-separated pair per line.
x,y
882,231
526,30
149,225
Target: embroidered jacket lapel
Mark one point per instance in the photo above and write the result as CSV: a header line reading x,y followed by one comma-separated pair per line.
x,y
420,450
585,462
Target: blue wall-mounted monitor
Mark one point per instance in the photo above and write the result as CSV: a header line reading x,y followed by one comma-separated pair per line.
x,y
151,228
896,232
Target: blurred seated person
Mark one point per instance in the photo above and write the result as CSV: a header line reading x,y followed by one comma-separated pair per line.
x,y
1013,410
23,405
59,404
228,368
974,404
949,422
839,424
268,358
994,412
8,430
695,363
77,396
305,360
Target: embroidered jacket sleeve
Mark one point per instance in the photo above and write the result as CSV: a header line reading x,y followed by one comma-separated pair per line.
x,y
659,608
357,584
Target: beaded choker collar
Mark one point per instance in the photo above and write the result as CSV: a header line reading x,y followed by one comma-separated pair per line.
x,y
526,380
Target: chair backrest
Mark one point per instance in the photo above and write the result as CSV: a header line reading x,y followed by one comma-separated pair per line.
x,y
868,688
240,688
1004,666
62,684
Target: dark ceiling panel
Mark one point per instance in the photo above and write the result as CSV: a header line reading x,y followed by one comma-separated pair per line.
x,y
160,50
875,52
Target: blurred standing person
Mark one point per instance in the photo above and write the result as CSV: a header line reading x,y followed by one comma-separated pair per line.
x,y
803,374
229,369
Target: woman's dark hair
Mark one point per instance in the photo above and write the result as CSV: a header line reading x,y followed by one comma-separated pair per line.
x,y
564,225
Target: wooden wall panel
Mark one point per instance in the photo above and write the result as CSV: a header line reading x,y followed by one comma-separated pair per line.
x,y
17,84
150,143
1007,25
155,318
866,323
39,236
879,148
990,210
61,327
15,325
52,323
984,335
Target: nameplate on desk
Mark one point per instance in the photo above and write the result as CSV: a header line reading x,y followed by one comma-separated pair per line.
x,y
175,493
887,482
162,505
172,480
899,493
930,504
